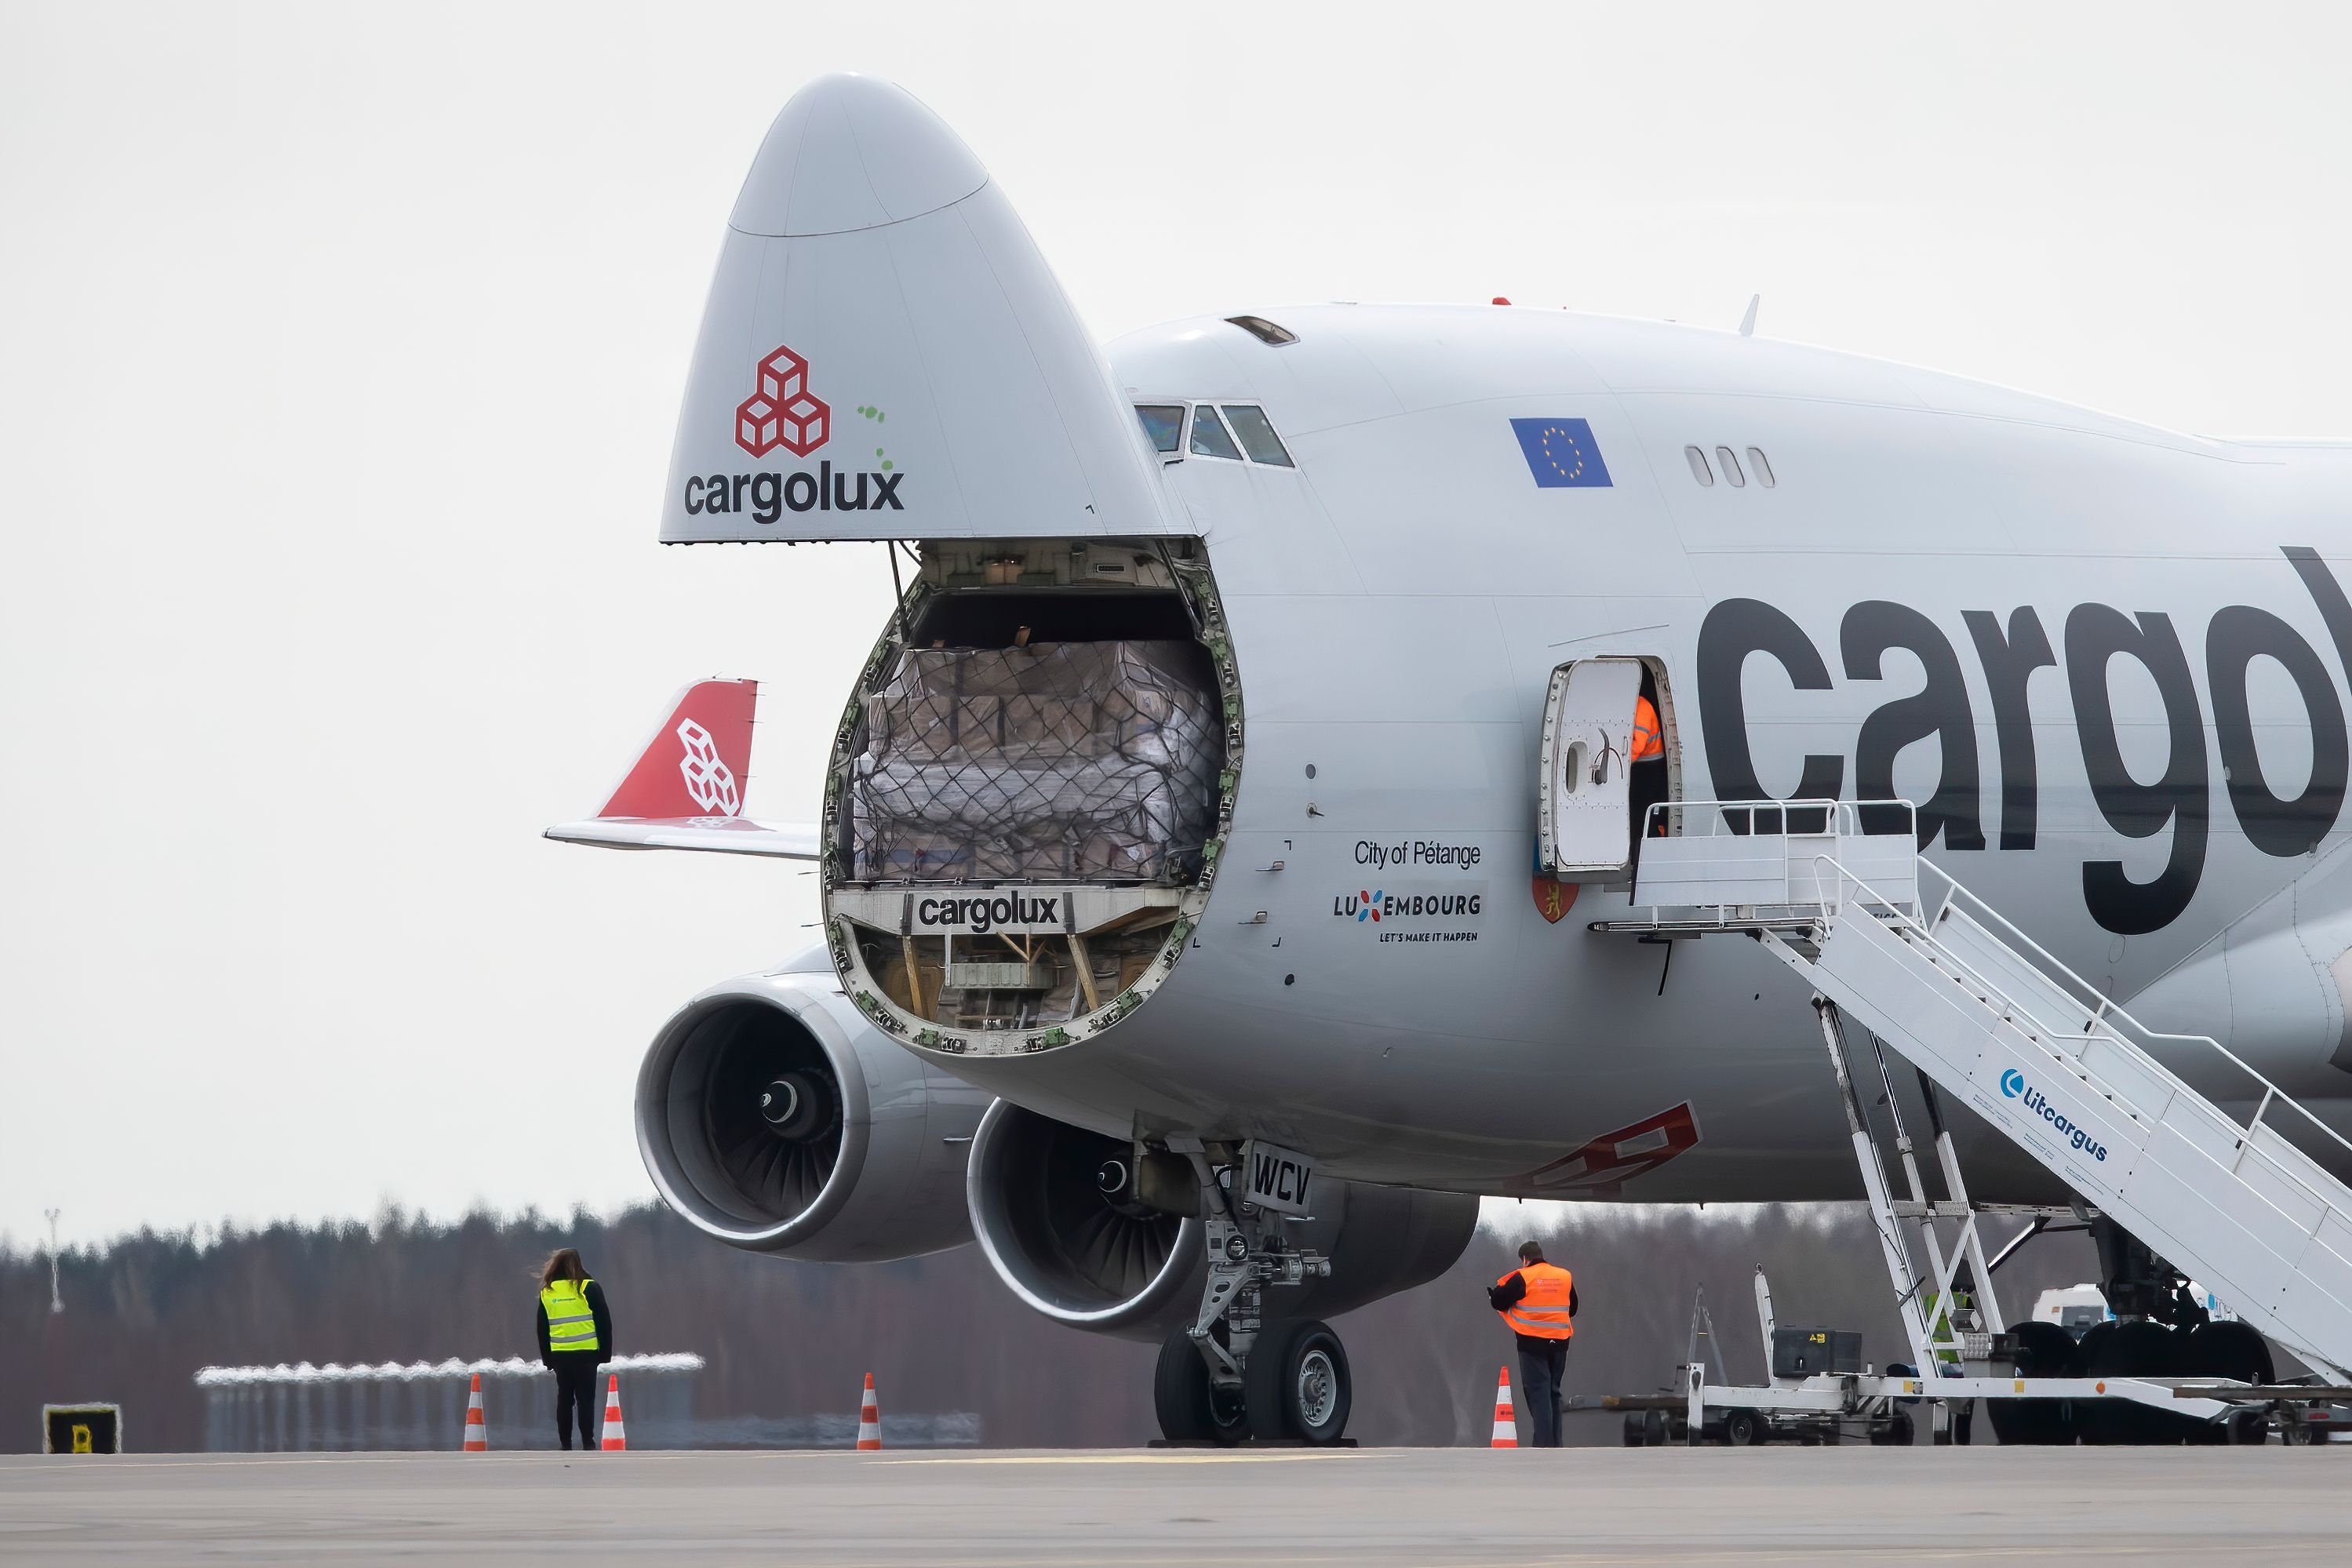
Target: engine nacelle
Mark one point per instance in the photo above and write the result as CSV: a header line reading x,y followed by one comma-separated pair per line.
x,y
1054,1210
773,1117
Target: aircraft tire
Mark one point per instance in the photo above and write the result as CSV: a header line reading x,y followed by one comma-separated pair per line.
x,y
1180,1392
1188,1405
2136,1348
1298,1384
2236,1351
2232,1349
2043,1350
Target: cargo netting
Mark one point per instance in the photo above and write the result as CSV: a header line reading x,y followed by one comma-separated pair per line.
x,y
1060,761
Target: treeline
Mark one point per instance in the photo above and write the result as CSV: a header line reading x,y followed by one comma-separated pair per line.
x,y
939,1334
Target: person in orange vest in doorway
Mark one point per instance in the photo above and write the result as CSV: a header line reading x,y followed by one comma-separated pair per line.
x,y
576,1337
1537,1298
1649,740
1648,785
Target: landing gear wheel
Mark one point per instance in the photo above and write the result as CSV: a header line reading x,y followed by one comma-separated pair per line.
x,y
1895,1434
2043,1350
1743,1429
2238,1352
1191,1409
2135,1347
1228,1421
1298,1383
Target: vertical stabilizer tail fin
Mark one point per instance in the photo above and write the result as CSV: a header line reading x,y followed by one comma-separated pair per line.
x,y
697,760
686,791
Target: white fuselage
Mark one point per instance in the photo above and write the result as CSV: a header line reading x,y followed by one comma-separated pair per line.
x,y
1399,601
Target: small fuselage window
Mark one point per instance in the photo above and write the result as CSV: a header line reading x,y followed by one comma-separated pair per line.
x,y
1163,424
1256,431
1209,437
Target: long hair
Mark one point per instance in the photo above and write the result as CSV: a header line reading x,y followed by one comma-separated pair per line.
x,y
563,1263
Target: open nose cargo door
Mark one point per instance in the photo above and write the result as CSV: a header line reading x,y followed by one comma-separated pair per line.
x,y
885,355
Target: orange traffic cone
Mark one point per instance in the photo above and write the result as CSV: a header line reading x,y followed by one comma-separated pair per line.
x,y
1507,1426
477,1431
870,1419
616,1436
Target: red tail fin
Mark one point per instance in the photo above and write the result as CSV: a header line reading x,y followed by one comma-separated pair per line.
x,y
696,764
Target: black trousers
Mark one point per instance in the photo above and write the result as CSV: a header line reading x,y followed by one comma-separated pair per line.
x,y
1543,1362
576,1391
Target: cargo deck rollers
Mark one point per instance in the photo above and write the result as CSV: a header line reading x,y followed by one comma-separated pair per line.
x,y
1902,958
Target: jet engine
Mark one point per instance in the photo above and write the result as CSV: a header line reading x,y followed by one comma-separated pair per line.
x,y
1077,1230
773,1117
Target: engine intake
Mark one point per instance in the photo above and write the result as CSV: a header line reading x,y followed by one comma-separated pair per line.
x,y
1054,1211
775,1118
1076,1229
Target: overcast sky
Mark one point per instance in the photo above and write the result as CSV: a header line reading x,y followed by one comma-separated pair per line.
x,y
341,352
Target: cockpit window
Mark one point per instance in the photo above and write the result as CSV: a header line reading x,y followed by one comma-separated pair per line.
x,y
1209,437
1163,422
1263,330
1256,431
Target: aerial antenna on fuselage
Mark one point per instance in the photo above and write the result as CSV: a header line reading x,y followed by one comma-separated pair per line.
x,y
1747,322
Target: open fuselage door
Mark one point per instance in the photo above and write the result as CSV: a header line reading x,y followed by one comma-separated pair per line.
x,y
1586,801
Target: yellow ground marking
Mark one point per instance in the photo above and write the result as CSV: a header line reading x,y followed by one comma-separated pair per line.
x,y
1219,1457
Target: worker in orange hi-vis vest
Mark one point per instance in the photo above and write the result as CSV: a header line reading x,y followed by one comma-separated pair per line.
x,y
1649,740
1538,1300
1648,783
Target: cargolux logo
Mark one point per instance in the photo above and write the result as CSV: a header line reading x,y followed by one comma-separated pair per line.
x,y
783,412
2013,1086
987,913
709,780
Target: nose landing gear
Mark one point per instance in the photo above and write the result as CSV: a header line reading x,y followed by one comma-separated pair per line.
x,y
1230,1375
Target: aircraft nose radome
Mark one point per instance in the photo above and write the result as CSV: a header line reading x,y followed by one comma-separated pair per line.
x,y
854,153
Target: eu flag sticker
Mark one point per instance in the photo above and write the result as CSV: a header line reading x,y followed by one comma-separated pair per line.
x,y
1561,454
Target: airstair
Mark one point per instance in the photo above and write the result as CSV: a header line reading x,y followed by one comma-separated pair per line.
x,y
1892,943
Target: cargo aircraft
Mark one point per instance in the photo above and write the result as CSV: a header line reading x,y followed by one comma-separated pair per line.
x,y
1230,851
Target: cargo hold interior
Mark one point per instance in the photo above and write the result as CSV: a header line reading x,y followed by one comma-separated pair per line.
x,y
1030,789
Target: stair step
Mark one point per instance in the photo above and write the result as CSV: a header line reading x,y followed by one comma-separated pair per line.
x,y
2248,1230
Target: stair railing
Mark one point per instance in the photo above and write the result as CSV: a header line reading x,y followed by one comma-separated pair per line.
x,y
2106,1012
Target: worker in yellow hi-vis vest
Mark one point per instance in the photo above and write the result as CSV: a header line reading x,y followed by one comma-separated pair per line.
x,y
576,1337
